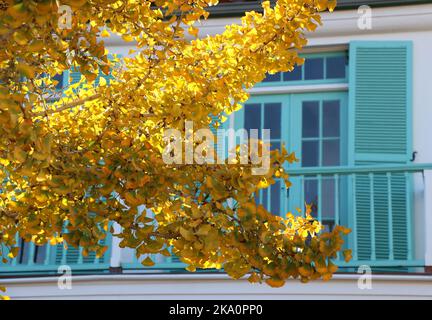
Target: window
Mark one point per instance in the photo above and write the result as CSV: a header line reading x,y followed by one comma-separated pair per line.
x,y
294,75
30,254
336,67
273,77
322,145
321,133
314,69
267,115
270,198
264,116
60,81
313,125
317,67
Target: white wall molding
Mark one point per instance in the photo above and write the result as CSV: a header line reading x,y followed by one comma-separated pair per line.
x,y
338,23
217,286
344,22
299,89
428,217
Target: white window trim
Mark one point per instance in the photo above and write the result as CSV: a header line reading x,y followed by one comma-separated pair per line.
x,y
299,89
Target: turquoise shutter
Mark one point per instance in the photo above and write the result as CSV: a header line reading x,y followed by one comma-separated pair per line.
x,y
74,76
73,256
380,133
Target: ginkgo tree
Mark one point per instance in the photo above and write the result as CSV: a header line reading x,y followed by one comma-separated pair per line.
x,y
74,163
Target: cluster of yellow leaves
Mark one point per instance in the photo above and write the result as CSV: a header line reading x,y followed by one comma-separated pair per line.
x,y
3,289
95,154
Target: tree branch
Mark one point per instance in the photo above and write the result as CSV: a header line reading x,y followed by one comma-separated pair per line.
x,y
68,105
76,103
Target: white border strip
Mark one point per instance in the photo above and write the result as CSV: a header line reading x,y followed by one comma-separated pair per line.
x,y
195,277
299,89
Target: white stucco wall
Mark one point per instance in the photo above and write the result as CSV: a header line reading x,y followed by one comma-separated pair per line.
x,y
218,287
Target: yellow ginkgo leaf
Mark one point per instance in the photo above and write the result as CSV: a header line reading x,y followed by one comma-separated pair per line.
x,y
275,283
102,81
193,31
105,33
263,184
148,262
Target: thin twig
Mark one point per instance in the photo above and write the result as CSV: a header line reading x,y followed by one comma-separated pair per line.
x,y
68,105
75,104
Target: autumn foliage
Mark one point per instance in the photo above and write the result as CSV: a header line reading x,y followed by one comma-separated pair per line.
x,y
74,163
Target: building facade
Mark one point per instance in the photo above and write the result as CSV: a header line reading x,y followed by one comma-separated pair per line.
x,y
357,114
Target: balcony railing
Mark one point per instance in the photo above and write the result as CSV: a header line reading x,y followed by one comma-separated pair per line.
x,y
377,202
47,259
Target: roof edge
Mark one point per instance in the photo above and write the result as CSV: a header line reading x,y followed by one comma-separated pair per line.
x,y
235,9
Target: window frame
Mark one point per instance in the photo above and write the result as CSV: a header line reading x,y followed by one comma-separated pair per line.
x,y
324,56
287,93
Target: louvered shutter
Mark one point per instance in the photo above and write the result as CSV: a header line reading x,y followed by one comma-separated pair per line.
x,y
65,256
74,75
72,255
380,122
